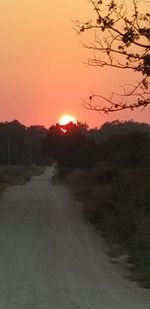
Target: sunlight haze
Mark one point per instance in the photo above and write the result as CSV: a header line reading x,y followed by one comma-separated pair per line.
x,y
42,75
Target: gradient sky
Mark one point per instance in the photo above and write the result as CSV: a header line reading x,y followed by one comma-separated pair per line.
x,y
42,75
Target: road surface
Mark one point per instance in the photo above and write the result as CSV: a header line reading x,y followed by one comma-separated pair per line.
x,y
50,259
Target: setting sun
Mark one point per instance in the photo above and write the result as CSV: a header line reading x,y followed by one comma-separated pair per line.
x,y
67,119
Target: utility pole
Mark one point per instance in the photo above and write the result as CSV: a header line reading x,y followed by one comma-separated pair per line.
x,y
8,151
29,156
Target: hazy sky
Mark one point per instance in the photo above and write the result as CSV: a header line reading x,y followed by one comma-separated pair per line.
x,y
42,75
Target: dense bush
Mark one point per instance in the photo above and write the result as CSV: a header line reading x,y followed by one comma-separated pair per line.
x,y
117,201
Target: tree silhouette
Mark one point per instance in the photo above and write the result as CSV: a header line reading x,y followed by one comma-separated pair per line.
x,y
121,41
70,146
21,145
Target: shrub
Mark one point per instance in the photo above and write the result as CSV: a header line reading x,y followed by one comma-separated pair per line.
x,y
117,201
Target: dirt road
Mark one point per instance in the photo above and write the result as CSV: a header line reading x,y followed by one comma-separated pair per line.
x,y
50,259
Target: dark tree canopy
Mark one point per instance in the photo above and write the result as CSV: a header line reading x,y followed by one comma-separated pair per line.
x,y
121,41
70,146
21,145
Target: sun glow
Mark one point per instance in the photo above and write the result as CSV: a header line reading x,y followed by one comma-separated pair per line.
x,y
65,119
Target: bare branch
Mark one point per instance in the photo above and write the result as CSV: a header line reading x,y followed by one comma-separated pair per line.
x,y
122,41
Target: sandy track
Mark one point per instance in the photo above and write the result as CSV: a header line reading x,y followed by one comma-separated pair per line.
x,y
50,259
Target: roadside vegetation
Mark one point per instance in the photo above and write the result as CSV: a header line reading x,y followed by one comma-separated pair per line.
x,y
117,202
113,186
17,175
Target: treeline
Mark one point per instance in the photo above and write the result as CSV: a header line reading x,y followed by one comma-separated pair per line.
x,y
20,145
74,145
126,143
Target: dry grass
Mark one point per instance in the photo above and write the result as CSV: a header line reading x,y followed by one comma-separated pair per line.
x,y
16,175
117,201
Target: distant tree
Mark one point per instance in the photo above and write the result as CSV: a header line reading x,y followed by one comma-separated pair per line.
x,y
53,141
12,136
69,145
34,141
118,128
21,145
129,149
121,41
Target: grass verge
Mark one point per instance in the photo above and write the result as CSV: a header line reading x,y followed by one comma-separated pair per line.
x,y
17,175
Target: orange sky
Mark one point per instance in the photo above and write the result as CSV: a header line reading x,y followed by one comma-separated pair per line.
x,y
41,75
